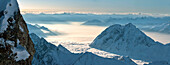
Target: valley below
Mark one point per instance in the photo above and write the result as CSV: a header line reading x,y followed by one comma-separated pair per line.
x,y
75,32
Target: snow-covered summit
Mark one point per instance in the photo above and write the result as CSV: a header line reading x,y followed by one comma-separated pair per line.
x,y
127,35
129,41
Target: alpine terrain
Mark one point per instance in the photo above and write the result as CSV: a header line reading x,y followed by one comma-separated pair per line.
x,y
129,41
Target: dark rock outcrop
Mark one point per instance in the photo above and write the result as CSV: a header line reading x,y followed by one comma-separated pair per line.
x,y
14,36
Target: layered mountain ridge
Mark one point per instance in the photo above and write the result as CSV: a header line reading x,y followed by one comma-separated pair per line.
x,y
162,28
41,30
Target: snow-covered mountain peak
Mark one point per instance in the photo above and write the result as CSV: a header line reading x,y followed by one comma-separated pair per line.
x,y
120,28
122,35
130,25
129,41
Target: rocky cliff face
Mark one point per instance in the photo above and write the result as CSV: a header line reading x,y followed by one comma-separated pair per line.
x,y
16,47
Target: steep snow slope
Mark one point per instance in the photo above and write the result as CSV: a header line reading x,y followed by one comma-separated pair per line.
x,y
47,53
16,46
130,41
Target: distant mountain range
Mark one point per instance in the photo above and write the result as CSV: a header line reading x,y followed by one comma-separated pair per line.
x,y
145,23
94,22
162,28
136,20
78,17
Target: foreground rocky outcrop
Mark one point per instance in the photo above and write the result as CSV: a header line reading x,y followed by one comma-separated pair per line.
x,y
16,47
130,41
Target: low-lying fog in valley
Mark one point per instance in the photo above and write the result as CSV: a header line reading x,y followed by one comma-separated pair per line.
x,y
95,34
75,32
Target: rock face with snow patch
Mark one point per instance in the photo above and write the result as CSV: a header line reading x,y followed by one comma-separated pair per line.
x,y
16,47
130,41
49,54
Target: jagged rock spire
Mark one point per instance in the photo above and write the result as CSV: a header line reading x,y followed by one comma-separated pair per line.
x,y
14,37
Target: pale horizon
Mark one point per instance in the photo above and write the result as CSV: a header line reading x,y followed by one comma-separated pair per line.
x,y
99,6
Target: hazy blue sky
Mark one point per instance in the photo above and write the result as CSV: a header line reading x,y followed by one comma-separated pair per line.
x,y
110,6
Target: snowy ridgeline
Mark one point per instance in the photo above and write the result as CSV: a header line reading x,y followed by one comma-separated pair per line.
x,y
130,41
49,54
162,28
41,30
